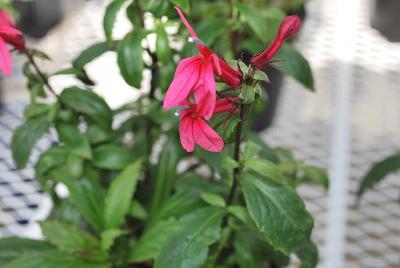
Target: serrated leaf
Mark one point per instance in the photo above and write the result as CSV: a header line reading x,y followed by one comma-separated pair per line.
x,y
13,247
130,58
189,247
153,239
70,239
108,237
308,254
379,171
88,103
213,199
251,250
267,169
119,195
75,142
295,65
242,214
278,212
110,16
52,259
26,136
112,157
315,175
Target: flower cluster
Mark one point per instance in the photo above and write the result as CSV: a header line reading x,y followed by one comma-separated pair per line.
x,y
8,35
193,88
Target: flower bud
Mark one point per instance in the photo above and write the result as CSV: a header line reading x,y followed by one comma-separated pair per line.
x,y
289,27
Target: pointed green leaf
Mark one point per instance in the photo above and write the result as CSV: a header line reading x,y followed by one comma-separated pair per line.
x,y
75,142
54,259
69,238
119,195
295,65
112,157
26,136
278,212
379,171
150,243
108,237
267,169
110,16
308,254
130,58
189,247
213,199
316,175
163,50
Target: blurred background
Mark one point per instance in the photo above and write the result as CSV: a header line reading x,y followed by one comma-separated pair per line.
x,y
352,121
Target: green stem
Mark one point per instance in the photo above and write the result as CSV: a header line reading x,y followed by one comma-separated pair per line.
x,y
39,72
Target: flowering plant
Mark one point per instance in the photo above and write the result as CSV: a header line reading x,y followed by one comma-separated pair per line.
x,y
138,195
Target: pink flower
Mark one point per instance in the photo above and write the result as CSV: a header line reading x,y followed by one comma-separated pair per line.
x,y
289,27
193,128
8,35
196,75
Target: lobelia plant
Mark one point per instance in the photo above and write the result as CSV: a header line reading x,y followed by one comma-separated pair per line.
x,y
136,198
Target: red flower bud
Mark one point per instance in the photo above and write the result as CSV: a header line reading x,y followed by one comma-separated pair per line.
x,y
289,27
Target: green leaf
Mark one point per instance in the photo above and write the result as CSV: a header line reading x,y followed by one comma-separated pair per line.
x,y
88,103
308,254
54,259
51,158
150,243
80,74
213,199
86,194
251,250
242,214
261,76
278,212
75,165
75,142
183,4
267,169
189,247
26,136
176,206
247,93
108,237
130,58
263,24
97,134
138,211
166,172
379,171
110,16
251,150
316,175
295,65
89,54
70,239
265,152
110,156
166,73
163,50
36,109
13,247
119,195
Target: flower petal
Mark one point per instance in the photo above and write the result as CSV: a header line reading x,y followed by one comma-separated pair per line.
x,y
206,137
186,131
205,91
185,79
5,58
12,36
5,18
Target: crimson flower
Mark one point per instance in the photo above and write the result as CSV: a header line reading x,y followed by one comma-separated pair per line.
x,y
193,128
8,35
196,75
289,27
